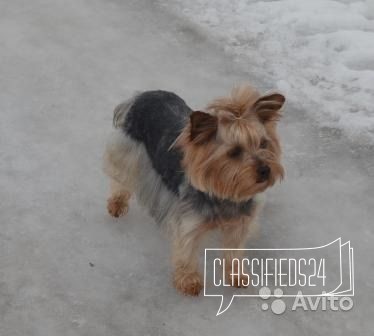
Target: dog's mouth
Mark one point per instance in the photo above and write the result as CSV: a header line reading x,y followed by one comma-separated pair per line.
x,y
261,179
252,190
263,183
261,186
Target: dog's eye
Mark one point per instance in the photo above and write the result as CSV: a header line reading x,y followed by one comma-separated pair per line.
x,y
264,143
235,152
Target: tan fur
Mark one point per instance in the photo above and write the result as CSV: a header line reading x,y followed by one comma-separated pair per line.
x,y
185,260
239,123
237,104
235,234
117,204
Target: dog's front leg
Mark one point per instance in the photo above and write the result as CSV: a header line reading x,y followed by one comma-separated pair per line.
x,y
235,234
185,255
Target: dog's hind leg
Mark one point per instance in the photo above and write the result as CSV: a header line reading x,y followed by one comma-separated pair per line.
x,y
121,162
118,202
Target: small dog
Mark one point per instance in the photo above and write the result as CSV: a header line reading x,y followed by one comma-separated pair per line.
x,y
195,171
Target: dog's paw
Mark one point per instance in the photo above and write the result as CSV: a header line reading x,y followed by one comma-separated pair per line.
x,y
117,206
188,284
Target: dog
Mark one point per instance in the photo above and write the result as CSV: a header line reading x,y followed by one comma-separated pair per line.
x,y
195,171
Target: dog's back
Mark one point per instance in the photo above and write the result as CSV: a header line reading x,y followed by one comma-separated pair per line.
x,y
155,119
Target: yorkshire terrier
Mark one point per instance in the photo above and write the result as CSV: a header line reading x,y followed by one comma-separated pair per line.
x,y
195,170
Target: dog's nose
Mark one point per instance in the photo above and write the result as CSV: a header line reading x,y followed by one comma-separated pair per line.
x,y
263,173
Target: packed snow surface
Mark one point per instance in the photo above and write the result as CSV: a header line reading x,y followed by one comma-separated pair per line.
x,y
320,52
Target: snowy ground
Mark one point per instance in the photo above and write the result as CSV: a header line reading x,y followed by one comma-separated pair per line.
x,y
320,52
66,267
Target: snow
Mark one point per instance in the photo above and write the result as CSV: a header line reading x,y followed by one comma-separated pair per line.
x,y
320,53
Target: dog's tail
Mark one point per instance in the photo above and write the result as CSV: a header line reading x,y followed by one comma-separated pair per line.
x,y
121,110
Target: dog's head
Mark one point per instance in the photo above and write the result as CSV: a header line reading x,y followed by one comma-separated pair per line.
x,y
232,151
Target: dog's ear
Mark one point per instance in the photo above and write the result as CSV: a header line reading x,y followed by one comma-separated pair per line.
x,y
203,127
267,107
